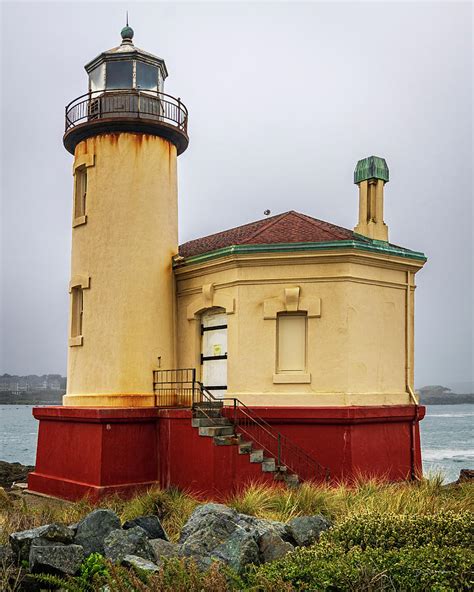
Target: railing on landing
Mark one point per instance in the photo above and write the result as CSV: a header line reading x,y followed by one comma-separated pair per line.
x,y
175,388
179,388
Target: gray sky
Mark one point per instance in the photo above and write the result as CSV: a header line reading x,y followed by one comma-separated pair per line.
x,y
284,98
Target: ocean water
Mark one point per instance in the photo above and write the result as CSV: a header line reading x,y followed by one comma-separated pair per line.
x,y
447,441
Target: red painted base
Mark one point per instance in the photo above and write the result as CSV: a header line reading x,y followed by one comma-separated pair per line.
x,y
97,452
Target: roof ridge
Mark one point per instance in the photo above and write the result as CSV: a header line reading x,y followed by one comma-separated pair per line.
x,y
269,224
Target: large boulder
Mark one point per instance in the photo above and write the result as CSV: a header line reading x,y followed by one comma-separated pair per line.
x,y
306,530
150,524
49,534
272,546
56,559
163,550
134,541
215,533
92,530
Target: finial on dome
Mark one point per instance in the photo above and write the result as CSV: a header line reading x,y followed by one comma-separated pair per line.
x,y
127,33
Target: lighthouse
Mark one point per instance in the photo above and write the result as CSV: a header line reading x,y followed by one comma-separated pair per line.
x,y
125,135
279,350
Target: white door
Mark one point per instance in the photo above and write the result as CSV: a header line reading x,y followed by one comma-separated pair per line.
x,y
214,351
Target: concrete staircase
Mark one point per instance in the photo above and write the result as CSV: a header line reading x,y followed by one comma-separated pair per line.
x,y
208,419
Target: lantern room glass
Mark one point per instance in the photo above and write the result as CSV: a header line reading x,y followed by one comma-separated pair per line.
x,y
97,78
119,75
146,76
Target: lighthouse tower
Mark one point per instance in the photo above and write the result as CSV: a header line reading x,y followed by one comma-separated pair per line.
x,y
125,134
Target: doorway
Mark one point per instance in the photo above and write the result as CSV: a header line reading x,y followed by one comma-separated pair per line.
x,y
214,351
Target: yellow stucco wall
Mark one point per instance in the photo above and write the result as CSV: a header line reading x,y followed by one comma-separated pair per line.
x,y
125,248
360,347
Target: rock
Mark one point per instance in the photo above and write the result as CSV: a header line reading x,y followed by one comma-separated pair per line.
x,y
6,555
163,550
50,534
92,530
200,514
465,475
56,559
139,563
133,541
150,524
11,472
213,533
305,530
272,547
263,526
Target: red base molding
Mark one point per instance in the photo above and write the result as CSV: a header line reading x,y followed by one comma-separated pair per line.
x,y
97,452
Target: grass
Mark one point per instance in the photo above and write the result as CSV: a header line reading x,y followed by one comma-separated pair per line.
x,y
425,518
174,507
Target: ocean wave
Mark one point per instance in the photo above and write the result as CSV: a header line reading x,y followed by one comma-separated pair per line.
x,y
447,454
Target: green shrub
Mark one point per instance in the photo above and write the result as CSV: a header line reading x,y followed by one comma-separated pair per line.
x,y
394,531
327,566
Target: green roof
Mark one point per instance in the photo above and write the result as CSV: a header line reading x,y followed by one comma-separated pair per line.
x,y
372,167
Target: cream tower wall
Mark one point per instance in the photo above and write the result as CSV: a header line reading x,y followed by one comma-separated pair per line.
x,y
122,257
359,327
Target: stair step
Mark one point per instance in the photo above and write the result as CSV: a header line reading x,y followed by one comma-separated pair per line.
x,y
217,431
256,456
226,440
201,414
268,465
245,447
208,404
205,422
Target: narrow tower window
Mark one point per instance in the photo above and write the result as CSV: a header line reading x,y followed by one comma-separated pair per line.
x,y
291,343
76,312
80,194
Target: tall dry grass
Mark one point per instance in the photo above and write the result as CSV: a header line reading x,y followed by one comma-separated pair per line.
x,y
173,507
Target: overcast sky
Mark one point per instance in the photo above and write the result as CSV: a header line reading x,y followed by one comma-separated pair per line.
x,y
284,98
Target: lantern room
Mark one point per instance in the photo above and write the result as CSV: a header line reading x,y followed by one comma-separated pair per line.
x,y
125,94
126,67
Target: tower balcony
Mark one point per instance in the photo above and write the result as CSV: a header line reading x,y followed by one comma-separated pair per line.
x,y
130,110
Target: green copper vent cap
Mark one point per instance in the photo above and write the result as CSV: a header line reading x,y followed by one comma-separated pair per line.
x,y
372,167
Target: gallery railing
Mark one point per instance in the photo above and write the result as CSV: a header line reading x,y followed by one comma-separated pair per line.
x,y
127,103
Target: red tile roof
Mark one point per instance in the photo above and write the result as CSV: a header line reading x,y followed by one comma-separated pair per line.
x,y
290,227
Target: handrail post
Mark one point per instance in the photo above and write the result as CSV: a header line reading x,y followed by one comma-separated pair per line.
x,y
279,449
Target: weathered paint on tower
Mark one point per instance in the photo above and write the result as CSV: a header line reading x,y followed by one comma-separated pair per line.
x,y
124,250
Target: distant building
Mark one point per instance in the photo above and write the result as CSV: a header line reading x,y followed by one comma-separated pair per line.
x,y
280,349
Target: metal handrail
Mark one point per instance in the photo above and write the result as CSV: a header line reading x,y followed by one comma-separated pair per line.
x,y
103,104
286,452
179,388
